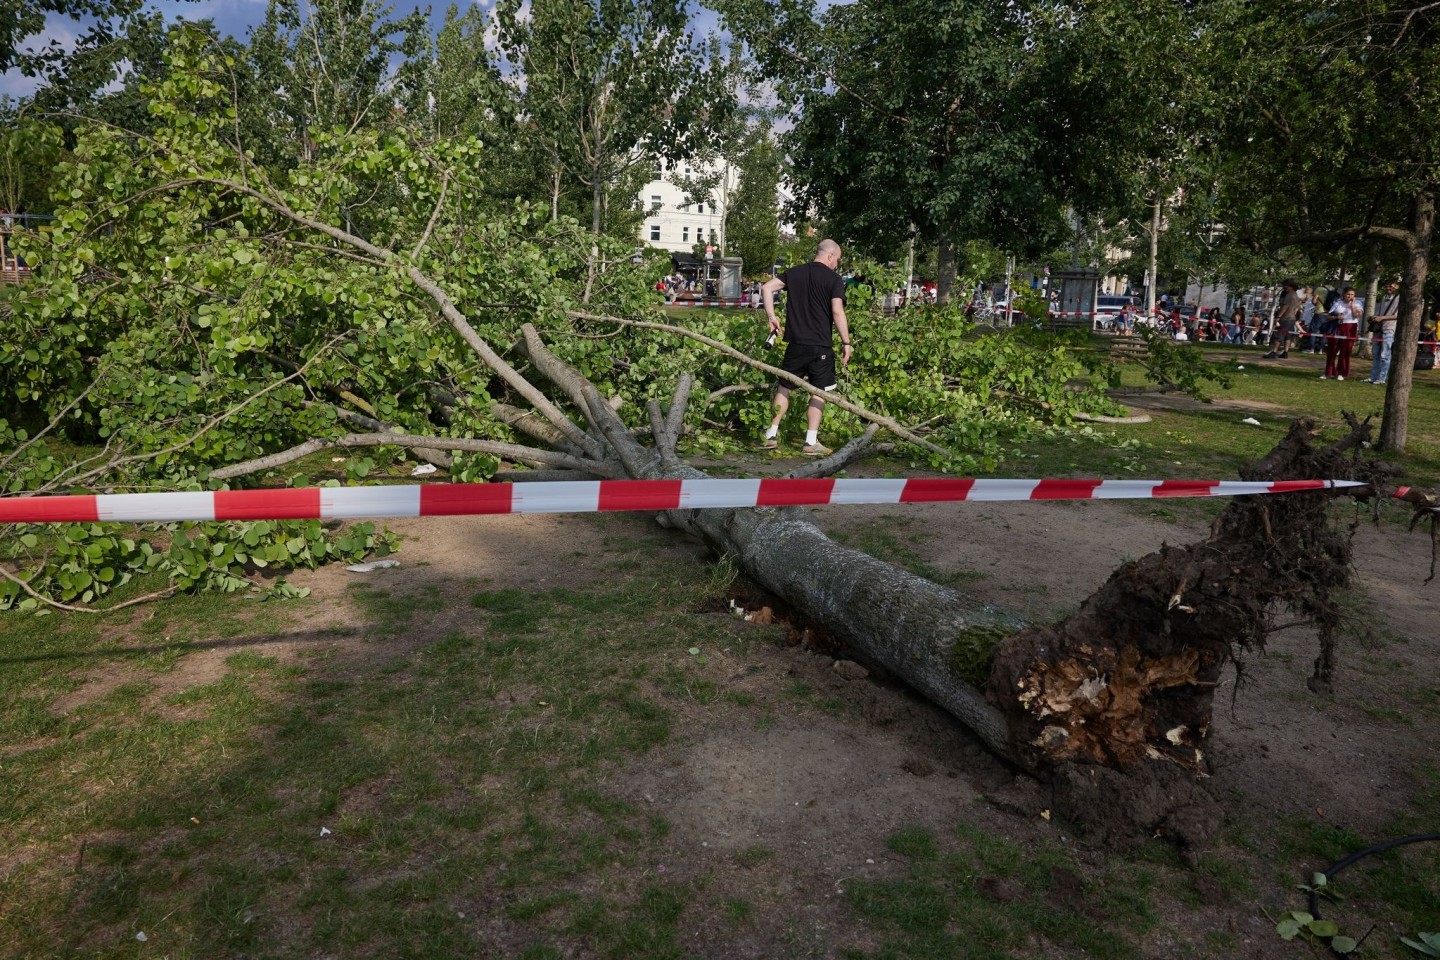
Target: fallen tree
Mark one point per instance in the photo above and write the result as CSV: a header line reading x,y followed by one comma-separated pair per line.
x,y
1116,698
1114,702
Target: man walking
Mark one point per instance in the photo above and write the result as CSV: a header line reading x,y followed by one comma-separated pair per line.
x,y
1285,320
1383,326
815,300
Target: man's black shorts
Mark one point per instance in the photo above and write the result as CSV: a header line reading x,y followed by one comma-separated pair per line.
x,y
816,364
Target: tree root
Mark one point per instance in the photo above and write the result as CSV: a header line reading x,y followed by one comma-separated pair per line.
x,y
1124,687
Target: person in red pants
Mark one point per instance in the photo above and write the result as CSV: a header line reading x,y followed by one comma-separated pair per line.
x,y
1347,312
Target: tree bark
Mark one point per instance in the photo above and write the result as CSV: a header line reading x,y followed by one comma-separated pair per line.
x,y
1154,256
1372,290
1396,422
945,270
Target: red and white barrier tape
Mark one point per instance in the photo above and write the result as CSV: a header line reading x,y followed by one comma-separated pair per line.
x,y
446,499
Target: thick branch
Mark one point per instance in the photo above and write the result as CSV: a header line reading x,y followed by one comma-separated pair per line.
x,y
675,417
509,451
829,397
447,307
664,442
532,425
733,388
436,457
1345,234
630,453
551,367
857,449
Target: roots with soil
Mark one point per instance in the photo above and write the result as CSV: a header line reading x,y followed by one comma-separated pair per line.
x,y
1127,683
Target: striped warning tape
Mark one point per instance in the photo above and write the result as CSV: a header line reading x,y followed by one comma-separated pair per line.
x,y
467,499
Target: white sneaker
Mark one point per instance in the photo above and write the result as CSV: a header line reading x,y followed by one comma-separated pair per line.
x,y
1339,378
1324,377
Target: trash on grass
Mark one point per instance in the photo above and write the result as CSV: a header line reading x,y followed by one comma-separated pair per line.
x,y
324,831
141,936
1252,421
372,565
424,469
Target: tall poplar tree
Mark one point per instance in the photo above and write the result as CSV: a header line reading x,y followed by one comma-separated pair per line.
x,y
606,87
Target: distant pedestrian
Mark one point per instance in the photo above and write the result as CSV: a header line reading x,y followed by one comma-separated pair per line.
x,y
1252,329
1235,326
1285,320
1382,328
1347,312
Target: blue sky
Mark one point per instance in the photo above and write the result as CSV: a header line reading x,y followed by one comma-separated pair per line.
x,y
237,17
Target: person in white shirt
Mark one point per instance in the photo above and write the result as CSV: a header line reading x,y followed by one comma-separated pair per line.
x,y
1347,312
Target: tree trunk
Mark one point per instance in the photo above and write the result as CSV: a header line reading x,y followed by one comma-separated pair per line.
x,y
1126,680
595,203
919,631
1395,425
1372,290
1154,256
945,279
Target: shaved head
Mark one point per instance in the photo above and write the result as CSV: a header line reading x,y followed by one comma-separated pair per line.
x,y
828,251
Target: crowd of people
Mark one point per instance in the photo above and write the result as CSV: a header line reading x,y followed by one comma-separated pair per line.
x,y
1312,322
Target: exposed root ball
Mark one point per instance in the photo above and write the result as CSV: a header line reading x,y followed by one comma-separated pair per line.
x,y
1131,676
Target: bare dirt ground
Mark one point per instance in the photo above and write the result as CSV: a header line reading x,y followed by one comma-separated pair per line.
x,y
823,793
820,793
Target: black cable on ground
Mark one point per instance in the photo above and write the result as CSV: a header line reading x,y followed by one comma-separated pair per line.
x,y
1339,865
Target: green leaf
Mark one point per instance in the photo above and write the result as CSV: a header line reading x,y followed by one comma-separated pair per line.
x,y
1287,928
1323,928
1343,944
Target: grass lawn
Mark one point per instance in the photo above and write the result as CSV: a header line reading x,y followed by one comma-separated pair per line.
x,y
431,770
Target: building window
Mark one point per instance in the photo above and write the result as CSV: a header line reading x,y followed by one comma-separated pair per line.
x,y
684,234
654,201
654,231
658,170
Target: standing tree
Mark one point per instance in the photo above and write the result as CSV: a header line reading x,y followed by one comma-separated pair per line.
x,y
333,65
1334,137
603,88
752,219
916,112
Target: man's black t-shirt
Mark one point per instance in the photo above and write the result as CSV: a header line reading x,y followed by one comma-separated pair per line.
x,y
809,288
